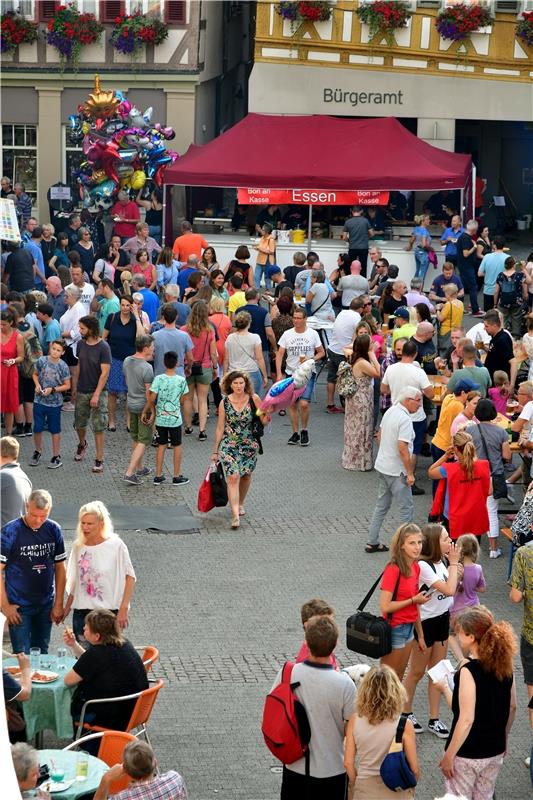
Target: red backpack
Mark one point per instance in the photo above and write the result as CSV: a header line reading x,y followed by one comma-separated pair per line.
x,y
285,725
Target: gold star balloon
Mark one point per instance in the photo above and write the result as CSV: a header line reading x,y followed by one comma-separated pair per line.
x,y
101,104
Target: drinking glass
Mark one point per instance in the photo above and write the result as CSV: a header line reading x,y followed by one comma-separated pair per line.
x,y
46,662
61,658
35,657
82,766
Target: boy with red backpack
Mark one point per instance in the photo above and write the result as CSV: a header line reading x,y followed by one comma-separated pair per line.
x,y
313,765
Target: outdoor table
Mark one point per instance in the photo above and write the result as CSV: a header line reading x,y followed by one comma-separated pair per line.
x,y
66,759
49,706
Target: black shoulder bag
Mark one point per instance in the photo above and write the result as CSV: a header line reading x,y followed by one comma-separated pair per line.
x,y
499,487
258,429
367,633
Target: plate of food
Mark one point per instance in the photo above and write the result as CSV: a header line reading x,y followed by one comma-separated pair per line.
x,y
57,786
44,676
14,671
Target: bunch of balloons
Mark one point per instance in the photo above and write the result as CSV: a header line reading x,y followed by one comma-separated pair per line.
x,y
123,148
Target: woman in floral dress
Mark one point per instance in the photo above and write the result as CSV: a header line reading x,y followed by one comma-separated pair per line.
x,y
99,571
359,408
234,444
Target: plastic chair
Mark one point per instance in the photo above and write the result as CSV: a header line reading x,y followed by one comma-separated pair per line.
x,y
111,750
139,717
149,655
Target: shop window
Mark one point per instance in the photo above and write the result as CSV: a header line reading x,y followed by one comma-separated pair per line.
x,y
19,156
176,12
72,161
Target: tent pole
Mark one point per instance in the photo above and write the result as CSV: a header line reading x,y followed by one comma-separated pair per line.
x,y
163,229
462,203
309,227
473,192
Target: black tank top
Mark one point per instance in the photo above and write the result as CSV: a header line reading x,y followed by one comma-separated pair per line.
x,y
154,217
493,700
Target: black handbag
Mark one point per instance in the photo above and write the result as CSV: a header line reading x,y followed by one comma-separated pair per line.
x,y
196,366
258,429
367,633
219,487
499,486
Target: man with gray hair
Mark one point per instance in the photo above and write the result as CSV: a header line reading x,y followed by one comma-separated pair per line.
x,y
26,766
394,464
32,584
126,215
23,204
151,300
416,295
139,763
467,264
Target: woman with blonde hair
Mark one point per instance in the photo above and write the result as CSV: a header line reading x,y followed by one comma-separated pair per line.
x,y
464,485
449,316
380,698
400,595
483,704
99,570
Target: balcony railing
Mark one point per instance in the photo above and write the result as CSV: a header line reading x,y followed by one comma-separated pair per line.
x,y
343,41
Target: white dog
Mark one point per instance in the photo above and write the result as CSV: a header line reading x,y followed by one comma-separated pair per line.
x,y
357,672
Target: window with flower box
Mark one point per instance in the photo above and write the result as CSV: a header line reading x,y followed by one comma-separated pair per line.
x,y
19,156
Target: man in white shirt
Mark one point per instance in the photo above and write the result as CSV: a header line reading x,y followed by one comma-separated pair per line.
x,y
399,376
87,291
341,336
394,465
300,343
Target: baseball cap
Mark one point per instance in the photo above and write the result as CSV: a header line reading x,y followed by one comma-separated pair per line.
x,y
465,385
273,269
401,312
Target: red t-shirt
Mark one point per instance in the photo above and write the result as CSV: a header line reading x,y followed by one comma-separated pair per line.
x,y
407,588
128,211
304,653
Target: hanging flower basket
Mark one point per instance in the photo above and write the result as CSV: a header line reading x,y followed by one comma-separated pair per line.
x,y
69,31
524,28
133,31
384,18
305,12
458,22
16,30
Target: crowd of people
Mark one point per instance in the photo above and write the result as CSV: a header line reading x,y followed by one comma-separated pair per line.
x,y
160,331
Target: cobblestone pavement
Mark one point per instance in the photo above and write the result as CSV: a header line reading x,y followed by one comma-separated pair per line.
x,y
223,606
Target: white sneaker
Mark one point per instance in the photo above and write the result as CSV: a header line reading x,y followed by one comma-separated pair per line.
x,y
495,553
527,761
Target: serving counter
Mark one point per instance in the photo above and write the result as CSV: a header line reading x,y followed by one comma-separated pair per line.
x,y
225,245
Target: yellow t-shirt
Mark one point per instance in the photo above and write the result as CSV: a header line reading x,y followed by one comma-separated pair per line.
x,y
450,408
451,316
405,332
236,301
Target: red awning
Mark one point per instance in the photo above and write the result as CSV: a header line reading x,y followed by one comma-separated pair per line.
x,y
298,152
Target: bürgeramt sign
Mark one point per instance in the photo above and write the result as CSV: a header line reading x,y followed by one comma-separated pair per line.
x,y
363,98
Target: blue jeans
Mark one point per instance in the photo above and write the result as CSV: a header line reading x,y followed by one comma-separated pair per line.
x,y
259,272
391,488
155,232
34,629
257,381
422,264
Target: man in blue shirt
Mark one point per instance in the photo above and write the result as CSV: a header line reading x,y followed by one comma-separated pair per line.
x,y
491,266
449,239
436,291
151,300
33,562
185,273
34,247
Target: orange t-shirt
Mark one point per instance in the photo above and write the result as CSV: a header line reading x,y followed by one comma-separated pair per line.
x,y
189,244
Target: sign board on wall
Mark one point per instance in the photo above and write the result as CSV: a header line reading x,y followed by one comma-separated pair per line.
x,y
321,197
9,227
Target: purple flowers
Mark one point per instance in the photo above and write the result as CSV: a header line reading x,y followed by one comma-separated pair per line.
x,y
63,45
125,43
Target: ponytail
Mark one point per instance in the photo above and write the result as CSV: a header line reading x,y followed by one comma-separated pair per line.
x,y
467,449
496,641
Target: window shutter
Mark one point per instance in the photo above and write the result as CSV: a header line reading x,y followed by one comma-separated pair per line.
x,y
47,9
176,12
110,9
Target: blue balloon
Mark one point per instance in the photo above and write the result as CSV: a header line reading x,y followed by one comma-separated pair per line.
x,y
280,387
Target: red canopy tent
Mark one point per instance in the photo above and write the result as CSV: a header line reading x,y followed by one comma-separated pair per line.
x,y
320,152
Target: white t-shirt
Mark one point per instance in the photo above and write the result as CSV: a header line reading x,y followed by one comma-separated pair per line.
x,y
396,426
298,345
438,603
96,575
87,294
343,331
399,376
240,350
477,332
527,414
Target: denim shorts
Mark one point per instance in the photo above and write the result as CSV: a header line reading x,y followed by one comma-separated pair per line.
x,y
308,394
49,414
402,635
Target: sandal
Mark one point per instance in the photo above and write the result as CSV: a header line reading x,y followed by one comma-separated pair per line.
x,y
235,523
112,428
242,512
376,548
282,413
